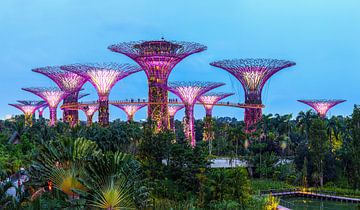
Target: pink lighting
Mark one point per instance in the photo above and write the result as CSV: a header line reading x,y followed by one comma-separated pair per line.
x,y
322,106
189,92
173,109
89,111
252,74
158,58
52,96
130,109
103,77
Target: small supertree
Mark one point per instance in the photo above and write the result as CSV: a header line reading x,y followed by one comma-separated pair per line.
x,y
130,109
252,74
103,77
52,96
41,110
173,109
322,106
69,82
28,108
158,58
189,93
209,100
89,110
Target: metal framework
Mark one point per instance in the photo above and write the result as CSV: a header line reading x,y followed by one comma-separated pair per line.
x,y
89,111
52,96
252,74
322,106
209,100
130,109
28,108
103,77
189,93
172,110
158,58
66,81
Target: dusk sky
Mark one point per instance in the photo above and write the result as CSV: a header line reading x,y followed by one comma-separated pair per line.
x,y
321,36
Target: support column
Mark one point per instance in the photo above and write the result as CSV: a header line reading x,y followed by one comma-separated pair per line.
x,y
158,112
104,111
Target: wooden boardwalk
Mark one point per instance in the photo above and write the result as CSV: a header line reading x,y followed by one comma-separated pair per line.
x,y
317,195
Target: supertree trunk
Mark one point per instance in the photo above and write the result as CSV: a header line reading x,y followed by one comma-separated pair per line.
x,y
158,112
172,123
208,134
41,114
71,116
89,119
104,111
28,120
252,117
189,125
52,116
130,118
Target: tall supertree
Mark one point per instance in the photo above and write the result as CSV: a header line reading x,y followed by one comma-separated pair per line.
x,y
173,109
130,109
158,58
69,82
252,74
322,106
89,110
52,96
103,77
209,100
28,108
189,93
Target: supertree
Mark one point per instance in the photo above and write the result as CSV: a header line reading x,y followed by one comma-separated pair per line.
x,y
52,96
322,106
189,93
66,81
209,100
41,110
173,109
157,58
89,110
130,109
28,108
252,74
103,77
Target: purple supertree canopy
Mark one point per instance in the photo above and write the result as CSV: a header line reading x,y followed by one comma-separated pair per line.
x,y
173,109
32,103
253,74
210,99
157,57
102,76
27,109
67,81
130,109
322,106
52,96
189,92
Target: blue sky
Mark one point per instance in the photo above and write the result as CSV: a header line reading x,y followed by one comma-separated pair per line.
x,y
321,36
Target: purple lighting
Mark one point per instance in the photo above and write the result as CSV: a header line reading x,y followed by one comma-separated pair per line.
x,y
52,96
158,58
130,109
173,109
209,100
103,77
322,106
252,74
28,108
66,81
189,92
89,111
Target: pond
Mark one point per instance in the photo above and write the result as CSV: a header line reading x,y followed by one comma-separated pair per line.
x,y
302,203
